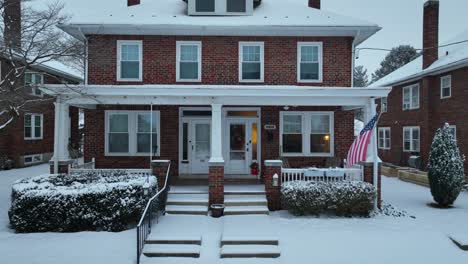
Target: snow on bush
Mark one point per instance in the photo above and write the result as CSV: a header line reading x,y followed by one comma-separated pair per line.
x,y
446,171
99,200
312,198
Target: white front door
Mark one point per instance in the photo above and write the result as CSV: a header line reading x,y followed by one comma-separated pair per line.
x,y
200,146
241,145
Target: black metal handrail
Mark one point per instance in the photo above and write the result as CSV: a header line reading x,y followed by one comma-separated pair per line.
x,y
151,210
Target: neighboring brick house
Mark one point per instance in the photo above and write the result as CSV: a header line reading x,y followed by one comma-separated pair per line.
x,y
427,93
230,83
29,138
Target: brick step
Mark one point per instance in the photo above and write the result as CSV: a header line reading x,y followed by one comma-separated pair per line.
x,y
244,200
250,251
187,209
242,240
181,251
173,240
246,210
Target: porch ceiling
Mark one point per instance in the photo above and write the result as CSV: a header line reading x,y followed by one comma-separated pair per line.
x,y
257,95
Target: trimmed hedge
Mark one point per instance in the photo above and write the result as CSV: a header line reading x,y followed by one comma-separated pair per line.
x,y
103,201
347,198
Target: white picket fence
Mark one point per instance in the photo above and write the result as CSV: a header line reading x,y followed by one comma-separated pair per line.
x,y
325,175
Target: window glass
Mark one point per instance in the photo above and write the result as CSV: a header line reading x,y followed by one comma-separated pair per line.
x,y
446,83
236,6
309,62
205,6
185,142
144,132
292,133
188,62
27,126
251,62
384,103
411,139
118,133
130,61
38,126
415,97
320,134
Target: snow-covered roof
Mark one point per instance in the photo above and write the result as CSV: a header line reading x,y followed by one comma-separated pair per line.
x,y
58,68
170,17
450,57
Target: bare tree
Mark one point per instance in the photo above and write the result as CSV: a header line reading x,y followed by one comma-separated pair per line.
x,y
30,38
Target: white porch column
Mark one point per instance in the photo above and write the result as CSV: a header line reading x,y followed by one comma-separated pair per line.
x,y
61,135
216,134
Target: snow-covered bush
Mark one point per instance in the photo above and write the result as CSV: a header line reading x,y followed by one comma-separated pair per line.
x,y
312,198
106,200
446,171
353,198
306,198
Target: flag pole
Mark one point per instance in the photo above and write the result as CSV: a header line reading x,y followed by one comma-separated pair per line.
x,y
375,157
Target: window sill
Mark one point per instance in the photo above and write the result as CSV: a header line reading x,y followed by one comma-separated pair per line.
x,y
129,80
446,97
310,81
31,139
252,81
409,151
188,80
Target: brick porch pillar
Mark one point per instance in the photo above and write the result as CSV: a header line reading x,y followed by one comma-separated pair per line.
x,y
273,193
159,168
216,182
368,168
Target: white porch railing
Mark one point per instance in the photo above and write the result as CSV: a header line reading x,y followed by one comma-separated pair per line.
x,y
88,165
325,175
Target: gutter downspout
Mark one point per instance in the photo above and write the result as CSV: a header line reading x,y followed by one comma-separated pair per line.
x,y
375,156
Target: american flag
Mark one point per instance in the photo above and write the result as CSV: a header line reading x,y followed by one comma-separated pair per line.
x,y
358,150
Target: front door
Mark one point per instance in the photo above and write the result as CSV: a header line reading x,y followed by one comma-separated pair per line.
x,y
241,145
200,144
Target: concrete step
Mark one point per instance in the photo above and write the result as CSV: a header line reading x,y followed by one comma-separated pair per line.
x,y
174,240
187,209
245,210
243,200
243,240
250,251
257,189
187,199
157,250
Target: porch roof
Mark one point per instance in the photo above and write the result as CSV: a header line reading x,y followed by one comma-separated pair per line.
x,y
198,94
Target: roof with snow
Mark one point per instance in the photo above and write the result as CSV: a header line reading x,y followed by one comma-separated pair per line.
x,y
170,17
450,57
58,68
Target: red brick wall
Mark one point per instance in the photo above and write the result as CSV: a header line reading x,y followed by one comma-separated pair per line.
x,y
433,113
220,59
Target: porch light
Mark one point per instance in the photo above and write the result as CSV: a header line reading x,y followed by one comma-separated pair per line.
x,y
275,180
326,137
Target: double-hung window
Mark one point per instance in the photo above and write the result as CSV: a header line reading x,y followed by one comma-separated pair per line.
x,y
251,61
411,139
188,56
34,80
33,124
384,104
384,137
132,133
307,134
309,62
411,97
129,60
446,87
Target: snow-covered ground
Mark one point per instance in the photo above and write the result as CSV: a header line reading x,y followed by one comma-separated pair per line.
x,y
382,239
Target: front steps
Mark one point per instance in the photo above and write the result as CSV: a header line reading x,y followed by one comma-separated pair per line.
x,y
245,200
250,247
173,246
187,202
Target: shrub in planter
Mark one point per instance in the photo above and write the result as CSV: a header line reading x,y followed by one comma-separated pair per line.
x,y
446,169
353,198
98,200
306,198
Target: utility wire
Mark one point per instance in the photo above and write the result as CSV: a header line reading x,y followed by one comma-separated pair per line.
x,y
441,46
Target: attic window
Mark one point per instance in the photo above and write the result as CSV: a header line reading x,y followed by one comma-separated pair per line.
x,y
205,6
236,6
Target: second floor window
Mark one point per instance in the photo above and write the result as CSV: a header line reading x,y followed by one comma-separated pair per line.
x,y
188,67
446,86
33,126
251,61
384,137
411,97
129,65
309,62
384,104
34,81
411,139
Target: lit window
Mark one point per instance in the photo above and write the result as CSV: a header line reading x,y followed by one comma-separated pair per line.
x,y
411,97
309,62
411,139
34,81
384,137
129,67
251,61
446,87
188,61
33,126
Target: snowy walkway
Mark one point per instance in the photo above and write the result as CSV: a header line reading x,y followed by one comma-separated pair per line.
x,y
382,239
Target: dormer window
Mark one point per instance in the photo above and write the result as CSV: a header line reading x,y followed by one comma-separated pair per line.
x,y
220,7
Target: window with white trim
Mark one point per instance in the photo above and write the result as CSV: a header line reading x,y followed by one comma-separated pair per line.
x,y
33,124
307,133
384,104
446,87
219,7
384,137
251,61
188,68
411,97
453,131
411,139
130,133
32,159
34,80
129,60
204,6
309,61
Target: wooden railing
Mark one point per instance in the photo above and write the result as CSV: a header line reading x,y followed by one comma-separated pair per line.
x,y
325,175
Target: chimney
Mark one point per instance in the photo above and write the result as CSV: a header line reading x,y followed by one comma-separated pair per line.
x,y
12,21
133,2
314,4
430,33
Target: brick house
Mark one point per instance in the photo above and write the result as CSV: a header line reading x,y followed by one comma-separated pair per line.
x,y
427,93
231,84
29,139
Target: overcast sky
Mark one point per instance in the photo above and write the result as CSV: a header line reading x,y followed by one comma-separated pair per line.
x,y
401,22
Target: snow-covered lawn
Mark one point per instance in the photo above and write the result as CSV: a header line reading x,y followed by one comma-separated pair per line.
x,y
382,239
